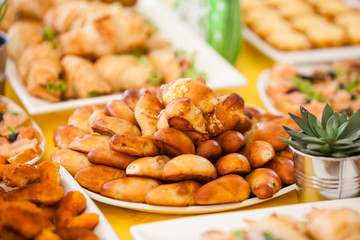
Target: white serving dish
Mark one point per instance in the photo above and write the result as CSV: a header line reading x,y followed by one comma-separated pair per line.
x,y
184,210
191,228
302,56
16,108
221,74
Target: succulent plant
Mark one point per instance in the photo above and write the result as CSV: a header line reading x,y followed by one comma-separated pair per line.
x,y
336,135
3,8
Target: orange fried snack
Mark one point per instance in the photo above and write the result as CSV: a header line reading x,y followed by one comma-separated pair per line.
x,y
84,221
49,173
70,206
20,175
75,234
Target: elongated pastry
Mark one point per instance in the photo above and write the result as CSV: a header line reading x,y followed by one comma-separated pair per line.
x,y
233,163
264,182
72,161
63,135
83,80
108,157
39,67
79,117
111,125
119,109
134,145
151,167
21,35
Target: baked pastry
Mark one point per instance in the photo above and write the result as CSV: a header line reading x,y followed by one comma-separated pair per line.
x,y
264,27
34,10
119,109
231,141
79,117
284,167
305,22
108,157
179,194
328,35
71,160
292,9
140,146
63,135
233,163
209,149
111,125
258,153
288,40
151,167
333,8
264,182
87,142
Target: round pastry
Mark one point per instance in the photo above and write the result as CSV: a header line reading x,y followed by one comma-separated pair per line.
x,y
288,40
329,35
304,22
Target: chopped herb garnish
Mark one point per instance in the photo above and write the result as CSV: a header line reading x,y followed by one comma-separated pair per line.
x,y
12,112
305,87
58,87
350,87
12,130
151,23
268,236
94,93
155,78
49,35
192,72
137,53
340,72
143,60
239,234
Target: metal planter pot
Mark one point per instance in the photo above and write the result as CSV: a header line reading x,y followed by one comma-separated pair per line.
x,y
326,178
3,43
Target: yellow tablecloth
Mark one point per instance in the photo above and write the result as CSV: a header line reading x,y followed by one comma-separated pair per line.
x,y
250,63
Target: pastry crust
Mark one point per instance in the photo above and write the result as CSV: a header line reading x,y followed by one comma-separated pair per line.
x,y
71,160
134,145
119,109
233,163
151,167
111,125
108,157
264,182
87,142
63,135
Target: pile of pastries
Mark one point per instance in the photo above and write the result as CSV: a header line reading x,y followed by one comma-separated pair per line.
x,y
33,205
290,25
81,49
321,224
180,146
19,140
338,86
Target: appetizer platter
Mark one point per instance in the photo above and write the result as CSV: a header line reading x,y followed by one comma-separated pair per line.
x,y
173,150
286,86
303,31
197,226
66,213
22,140
153,53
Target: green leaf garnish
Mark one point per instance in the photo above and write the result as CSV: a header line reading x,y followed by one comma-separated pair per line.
x,y
12,130
12,113
340,72
239,234
58,87
143,60
155,78
49,35
3,9
269,236
94,93
192,72
351,86
305,87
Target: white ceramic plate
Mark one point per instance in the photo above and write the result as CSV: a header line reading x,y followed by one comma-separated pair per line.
x,y
184,210
303,56
190,228
264,78
221,74
16,108
103,230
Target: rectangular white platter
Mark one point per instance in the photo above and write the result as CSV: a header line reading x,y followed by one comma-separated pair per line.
x,y
191,228
220,73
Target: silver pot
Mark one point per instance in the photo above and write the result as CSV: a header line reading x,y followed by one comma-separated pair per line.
x,y
3,43
326,178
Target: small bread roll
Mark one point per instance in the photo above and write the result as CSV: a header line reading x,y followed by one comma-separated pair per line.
x,y
173,142
95,176
72,161
203,96
111,125
258,153
180,194
264,182
134,145
96,114
131,189
244,126
269,132
209,149
197,137
151,167
63,135
286,153
284,167
80,116
231,188
147,111
227,114
119,109
231,141
106,156
233,163
130,97
189,167
87,142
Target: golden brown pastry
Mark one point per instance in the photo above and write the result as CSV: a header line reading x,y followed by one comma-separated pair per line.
x,y
106,156
111,125
83,221
333,8
151,167
226,189
286,153
173,142
147,110
263,27
49,173
36,9
209,149
180,194
264,182
131,97
95,115
233,163
329,35
334,224
288,40
227,114
284,167
189,167
39,67
79,117
305,22
63,135
294,9
95,176
231,141
119,109
20,175
258,153
72,161
82,78
75,233
352,31
87,142
132,189
134,145
21,35
201,95
64,212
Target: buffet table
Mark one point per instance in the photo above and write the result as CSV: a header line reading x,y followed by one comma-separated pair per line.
x,y
250,63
